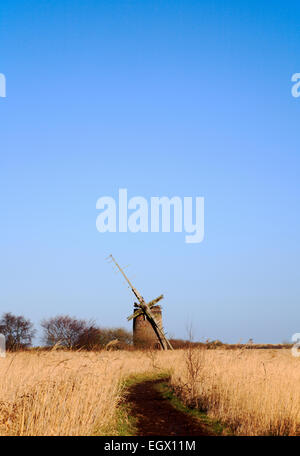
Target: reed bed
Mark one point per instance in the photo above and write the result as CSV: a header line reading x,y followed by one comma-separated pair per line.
x,y
63,393
253,392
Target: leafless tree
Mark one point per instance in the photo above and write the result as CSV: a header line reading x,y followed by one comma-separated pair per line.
x,y
18,331
73,333
89,339
64,330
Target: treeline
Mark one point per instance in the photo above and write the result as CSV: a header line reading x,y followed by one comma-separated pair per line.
x,y
61,331
217,344
72,333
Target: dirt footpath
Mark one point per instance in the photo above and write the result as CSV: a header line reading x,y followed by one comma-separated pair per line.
x,y
156,416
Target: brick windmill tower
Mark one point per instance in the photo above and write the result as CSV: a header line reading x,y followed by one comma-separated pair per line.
x,y
144,334
148,331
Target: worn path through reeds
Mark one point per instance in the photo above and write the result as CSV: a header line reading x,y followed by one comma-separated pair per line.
x,y
155,415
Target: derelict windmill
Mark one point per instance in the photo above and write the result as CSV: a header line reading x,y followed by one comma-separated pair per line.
x,y
147,320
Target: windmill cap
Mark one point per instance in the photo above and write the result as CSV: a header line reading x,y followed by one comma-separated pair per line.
x,y
153,309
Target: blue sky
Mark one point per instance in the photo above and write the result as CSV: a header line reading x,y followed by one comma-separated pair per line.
x,y
163,98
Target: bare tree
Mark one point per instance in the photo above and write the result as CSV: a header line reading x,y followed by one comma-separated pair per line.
x,y
89,339
71,332
64,330
18,331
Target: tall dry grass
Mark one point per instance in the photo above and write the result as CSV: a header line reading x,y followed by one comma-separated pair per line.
x,y
256,392
63,393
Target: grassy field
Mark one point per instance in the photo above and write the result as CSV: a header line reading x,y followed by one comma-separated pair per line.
x,y
253,392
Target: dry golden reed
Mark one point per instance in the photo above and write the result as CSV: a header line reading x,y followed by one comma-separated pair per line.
x,y
63,393
255,392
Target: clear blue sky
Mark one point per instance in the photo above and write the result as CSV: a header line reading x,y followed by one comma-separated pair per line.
x,y
169,98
